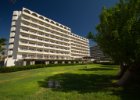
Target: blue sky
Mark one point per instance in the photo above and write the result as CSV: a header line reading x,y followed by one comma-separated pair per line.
x,y
81,16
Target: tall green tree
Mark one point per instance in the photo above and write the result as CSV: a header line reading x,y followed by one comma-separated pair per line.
x,y
2,43
118,35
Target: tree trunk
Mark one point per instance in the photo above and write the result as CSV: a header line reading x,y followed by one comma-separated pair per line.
x,y
129,72
124,79
123,68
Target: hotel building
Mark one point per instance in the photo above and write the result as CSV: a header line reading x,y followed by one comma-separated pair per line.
x,y
98,55
37,39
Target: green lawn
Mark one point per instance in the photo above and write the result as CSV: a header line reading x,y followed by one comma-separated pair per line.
x,y
77,83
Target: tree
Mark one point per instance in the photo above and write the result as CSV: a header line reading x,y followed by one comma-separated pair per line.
x,y
118,35
2,43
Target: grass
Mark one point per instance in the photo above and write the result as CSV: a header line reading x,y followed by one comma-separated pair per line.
x,y
78,82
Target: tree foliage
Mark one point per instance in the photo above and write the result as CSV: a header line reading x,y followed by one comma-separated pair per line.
x,y
2,43
118,33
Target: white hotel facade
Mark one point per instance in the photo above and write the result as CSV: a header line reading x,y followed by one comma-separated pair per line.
x,y
38,39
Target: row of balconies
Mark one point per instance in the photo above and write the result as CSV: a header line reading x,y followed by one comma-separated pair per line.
x,y
79,42
79,46
79,51
73,39
48,26
48,42
36,18
44,35
74,47
80,55
20,50
48,58
43,38
45,47
77,37
76,42
77,57
80,39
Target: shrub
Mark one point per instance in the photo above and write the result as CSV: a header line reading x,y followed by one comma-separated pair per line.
x,y
19,68
28,67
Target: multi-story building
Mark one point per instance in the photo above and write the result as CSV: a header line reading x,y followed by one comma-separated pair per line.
x,y
97,54
35,38
79,46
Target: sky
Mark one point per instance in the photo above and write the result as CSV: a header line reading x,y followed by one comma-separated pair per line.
x,y
82,16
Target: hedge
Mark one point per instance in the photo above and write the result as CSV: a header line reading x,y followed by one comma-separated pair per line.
x,y
28,67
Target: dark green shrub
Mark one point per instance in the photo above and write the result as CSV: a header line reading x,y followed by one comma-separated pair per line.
x,y
28,67
20,68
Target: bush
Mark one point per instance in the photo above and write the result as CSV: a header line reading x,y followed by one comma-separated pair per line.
x,y
28,67
19,68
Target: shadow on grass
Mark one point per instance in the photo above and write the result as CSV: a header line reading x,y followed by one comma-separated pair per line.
x,y
87,83
80,82
128,93
96,69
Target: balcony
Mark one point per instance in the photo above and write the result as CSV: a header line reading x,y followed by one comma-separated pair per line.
x,y
32,45
12,34
15,13
25,25
11,40
33,39
23,43
27,32
10,52
25,50
14,18
13,29
58,40
30,57
39,46
13,23
24,37
11,46
42,28
23,30
43,21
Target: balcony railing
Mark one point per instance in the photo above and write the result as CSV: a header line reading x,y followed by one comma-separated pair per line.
x,y
45,22
11,46
10,52
13,23
12,34
49,33
11,40
15,13
14,18
13,29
